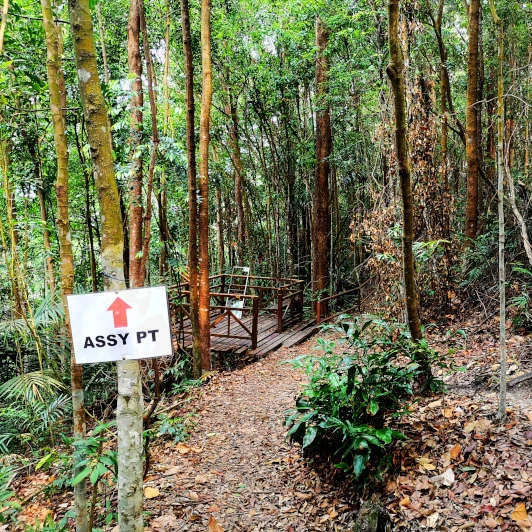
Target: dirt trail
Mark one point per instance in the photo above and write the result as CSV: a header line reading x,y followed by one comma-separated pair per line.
x,y
237,472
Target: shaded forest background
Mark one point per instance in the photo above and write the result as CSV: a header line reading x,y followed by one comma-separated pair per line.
x,y
262,163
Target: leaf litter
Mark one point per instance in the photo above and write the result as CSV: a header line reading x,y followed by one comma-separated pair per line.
x,y
458,470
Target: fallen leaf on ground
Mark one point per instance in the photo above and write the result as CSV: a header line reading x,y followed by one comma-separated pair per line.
x,y
454,453
520,516
445,479
425,463
150,493
214,526
165,522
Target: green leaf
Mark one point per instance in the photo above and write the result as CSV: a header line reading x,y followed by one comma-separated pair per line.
x,y
373,407
310,435
97,472
81,475
359,464
384,435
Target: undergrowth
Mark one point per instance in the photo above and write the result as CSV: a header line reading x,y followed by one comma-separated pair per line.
x,y
356,387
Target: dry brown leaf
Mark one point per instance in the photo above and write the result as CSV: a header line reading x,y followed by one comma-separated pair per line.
x,y
405,502
445,479
469,426
183,448
454,453
174,470
432,519
490,523
150,493
425,463
165,522
214,526
519,514
482,426
448,412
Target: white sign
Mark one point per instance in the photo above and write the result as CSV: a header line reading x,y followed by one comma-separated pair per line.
x,y
119,325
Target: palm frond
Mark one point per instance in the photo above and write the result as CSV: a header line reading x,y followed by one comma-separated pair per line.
x,y
31,387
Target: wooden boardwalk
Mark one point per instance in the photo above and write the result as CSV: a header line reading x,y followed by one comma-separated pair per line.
x,y
268,337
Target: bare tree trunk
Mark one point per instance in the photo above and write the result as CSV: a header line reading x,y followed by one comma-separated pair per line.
x,y
205,118
46,240
129,402
192,192
220,226
56,87
154,139
136,277
395,72
234,144
321,208
501,414
472,123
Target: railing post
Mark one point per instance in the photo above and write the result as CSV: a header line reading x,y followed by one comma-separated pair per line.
x,y
280,310
255,323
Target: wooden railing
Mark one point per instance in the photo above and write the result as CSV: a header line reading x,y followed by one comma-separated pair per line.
x,y
263,294
323,305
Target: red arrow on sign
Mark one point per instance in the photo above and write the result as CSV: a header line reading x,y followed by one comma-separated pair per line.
x,y
119,308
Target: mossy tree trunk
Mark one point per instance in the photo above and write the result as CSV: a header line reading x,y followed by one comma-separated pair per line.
x,y
129,402
395,71
56,89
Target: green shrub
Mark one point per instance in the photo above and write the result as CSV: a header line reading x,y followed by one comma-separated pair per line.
x,y
345,408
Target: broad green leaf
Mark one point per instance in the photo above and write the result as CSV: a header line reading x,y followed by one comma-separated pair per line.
x,y
310,436
81,475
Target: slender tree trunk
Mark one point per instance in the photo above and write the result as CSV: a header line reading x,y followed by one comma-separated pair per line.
x,y
162,196
56,87
192,191
220,226
154,139
88,213
501,414
205,118
395,72
46,240
472,123
321,208
129,402
136,276
236,158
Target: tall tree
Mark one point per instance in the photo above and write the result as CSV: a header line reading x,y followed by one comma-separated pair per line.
x,y
321,208
129,402
136,276
395,71
205,120
501,414
472,122
56,88
192,192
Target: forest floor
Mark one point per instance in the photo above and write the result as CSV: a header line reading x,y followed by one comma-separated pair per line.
x,y
458,470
